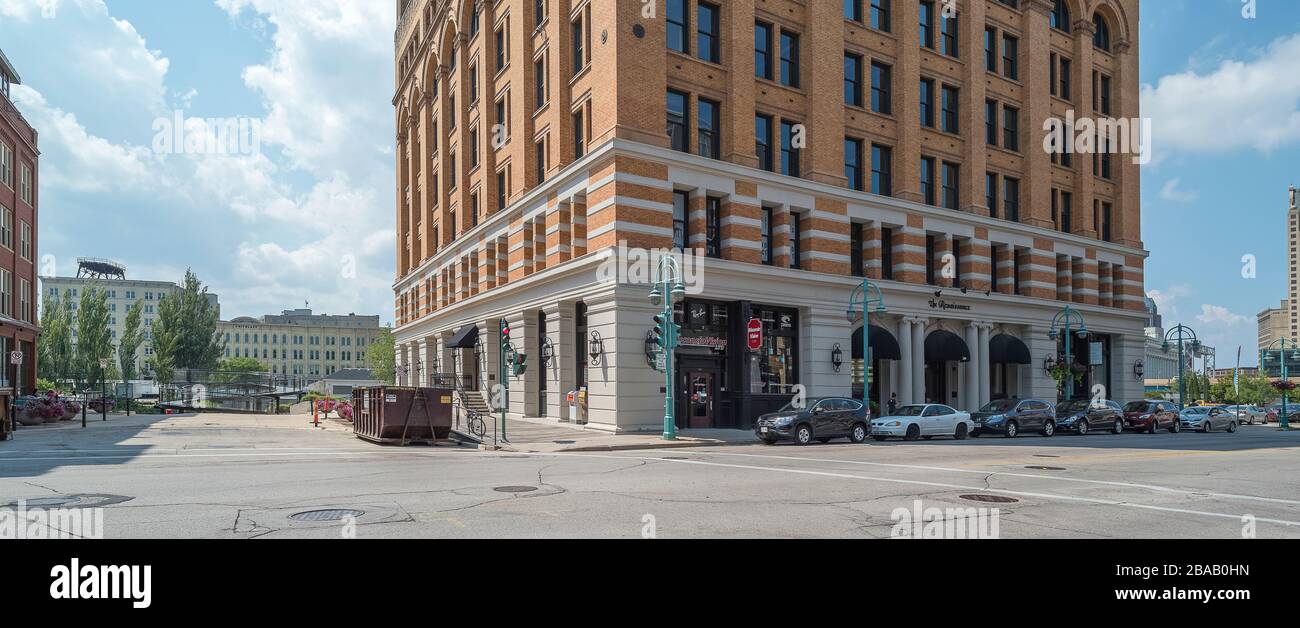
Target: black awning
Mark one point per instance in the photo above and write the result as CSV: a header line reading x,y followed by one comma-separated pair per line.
x,y
884,346
945,346
1007,349
465,338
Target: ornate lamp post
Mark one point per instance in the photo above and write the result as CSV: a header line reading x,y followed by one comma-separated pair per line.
x,y
667,289
1182,334
1285,345
1066,322
866,298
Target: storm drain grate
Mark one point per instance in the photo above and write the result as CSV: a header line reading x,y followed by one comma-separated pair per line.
x,y
515,489
87,500
990,499
1042,468
333,514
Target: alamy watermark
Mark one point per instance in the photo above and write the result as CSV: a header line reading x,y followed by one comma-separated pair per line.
x,y
920,522
1087,136
638,266
22,523
179,135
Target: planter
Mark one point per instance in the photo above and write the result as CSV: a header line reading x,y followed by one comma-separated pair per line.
x,y
27,418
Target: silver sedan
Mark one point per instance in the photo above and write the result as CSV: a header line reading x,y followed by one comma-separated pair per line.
x,y
1207,419
1249,415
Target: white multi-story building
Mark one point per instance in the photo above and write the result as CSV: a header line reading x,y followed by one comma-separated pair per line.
x,y
300,342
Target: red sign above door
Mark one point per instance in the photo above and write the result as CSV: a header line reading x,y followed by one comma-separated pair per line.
x,y
755,335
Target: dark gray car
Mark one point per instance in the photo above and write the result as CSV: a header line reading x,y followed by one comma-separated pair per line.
x,y
820,419
1084,416
1010,417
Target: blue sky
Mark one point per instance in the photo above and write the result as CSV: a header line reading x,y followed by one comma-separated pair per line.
x,y
309,218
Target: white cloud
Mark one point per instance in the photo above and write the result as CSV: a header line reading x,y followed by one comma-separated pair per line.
x,y
1252,104
1217,314
1171,192
1167,299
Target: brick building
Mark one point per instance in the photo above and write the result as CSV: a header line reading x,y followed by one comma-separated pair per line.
x,y
790,147
19,192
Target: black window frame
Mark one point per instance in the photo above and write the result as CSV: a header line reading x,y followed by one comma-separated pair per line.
x,y
789,55
763,65
708,36
950,184
677,23
682,222
708,121
678,120
790,156
763,149
882,88
882,170
853,79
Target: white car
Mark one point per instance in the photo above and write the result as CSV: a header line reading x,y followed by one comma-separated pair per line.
x,y
923,420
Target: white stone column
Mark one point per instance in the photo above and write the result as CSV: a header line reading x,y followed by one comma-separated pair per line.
x,y
984,381
560,374
420,372
1034,381
403,360
970,396
821,330
918,359
489,333
904,387
523,388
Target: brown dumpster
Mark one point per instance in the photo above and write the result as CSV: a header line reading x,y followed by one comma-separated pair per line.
x,y
395,415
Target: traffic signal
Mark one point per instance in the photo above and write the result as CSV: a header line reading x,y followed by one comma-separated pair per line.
x,y
660,331
505,335
519,363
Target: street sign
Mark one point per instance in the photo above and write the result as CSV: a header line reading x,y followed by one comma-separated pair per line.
x,y
661,362
16,357
755,334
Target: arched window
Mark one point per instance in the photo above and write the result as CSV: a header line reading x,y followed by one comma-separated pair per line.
x,y
1101,36
1061,16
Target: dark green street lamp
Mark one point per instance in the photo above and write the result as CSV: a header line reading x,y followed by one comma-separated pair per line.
x,y
667,289
1182,333
1068,322
866,298
1283,420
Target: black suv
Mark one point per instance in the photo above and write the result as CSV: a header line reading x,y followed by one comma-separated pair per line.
x,y
818,419
1010,417
1083,416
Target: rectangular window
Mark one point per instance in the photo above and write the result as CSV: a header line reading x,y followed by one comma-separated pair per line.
x,y
1010,57
539,11
24,300
7,166
927,103
1011,128
1065,79
763,50
578,34
855,249
710,136
853,163
681,212
789,153
927,180
503,190
7,228
796,239
1067,212
1105,95
26,191
950,183
886,253
25,240
882,167
931,250
579,135
473,85
1051,74
713,227
926,15
1011,198
789,59
950,112
765,234
1105,221
991,193
853,10
678,121
677,26
539,84
501,48
708,32
991,49
852,80
881,88
473,148
991,122
948,35
880,15
763,142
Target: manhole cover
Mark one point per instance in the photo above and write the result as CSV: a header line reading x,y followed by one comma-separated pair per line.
x,y
335,514
1042,468
515,489
87,500
990,499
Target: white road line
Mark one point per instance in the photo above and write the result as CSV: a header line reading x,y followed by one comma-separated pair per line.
x,y
156,448
1037,476
230,455
962,487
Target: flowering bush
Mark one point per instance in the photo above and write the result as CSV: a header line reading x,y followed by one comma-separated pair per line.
x,y
345,411
47,409
1283,384
326,406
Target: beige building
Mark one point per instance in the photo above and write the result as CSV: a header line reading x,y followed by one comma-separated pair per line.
x,y
787,150
300,342
122,294
1274,324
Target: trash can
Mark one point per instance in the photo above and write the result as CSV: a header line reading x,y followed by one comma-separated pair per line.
x,y
582,406
573,406
396,415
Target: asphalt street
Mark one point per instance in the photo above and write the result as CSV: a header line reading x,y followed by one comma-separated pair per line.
x,y
201,477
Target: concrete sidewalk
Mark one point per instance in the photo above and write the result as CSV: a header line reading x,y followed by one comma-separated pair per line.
x,y
526,436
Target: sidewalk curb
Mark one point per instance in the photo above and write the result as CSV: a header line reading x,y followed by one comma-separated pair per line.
x,y
631,447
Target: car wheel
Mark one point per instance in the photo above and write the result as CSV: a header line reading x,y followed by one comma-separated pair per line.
x,y
1049,429
913,432
880,437
1118,427
803,434
858,434
1232,426
1176,427
1155,423
1082,427
1013,429
1205,426
962,432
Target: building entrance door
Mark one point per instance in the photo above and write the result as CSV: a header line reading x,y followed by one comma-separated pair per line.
x,y
702,390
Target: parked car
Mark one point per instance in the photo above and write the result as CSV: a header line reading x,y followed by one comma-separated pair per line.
x,y
1010,417
923,420
820,419
1208,419
1292,411
1082,416
1249,415
1150,415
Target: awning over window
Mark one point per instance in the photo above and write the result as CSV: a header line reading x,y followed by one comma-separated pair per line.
x,y
465,338
884,346
1007,349
945,346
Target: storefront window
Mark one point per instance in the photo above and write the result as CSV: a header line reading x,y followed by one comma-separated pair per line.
x,y
778,358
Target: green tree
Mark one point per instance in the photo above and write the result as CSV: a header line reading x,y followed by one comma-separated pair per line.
x,y
56,352
94,336
129,343
1198,386
1254,389
381,357
186,329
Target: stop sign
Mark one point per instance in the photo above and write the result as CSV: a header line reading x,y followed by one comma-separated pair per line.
x,y
755,334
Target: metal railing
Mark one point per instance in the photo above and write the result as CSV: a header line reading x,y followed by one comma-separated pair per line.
x,y
466,419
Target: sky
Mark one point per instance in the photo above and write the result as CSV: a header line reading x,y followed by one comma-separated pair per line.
x,y
304,214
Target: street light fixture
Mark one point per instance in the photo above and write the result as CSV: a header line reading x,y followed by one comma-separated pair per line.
x,y
865,299
667,289
1182,334
1283,420
1067,322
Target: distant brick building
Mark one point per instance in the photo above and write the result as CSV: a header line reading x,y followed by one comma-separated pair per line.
x,y
19,198
794,147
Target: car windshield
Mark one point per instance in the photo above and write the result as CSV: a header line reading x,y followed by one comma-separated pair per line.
x,y
1073,406
1001,405
1197,410
909,411
1137,406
